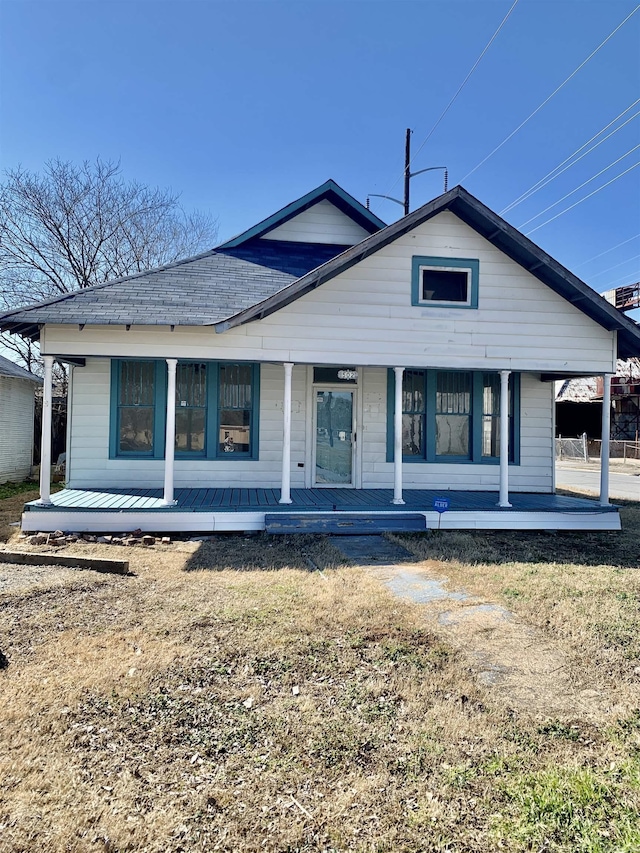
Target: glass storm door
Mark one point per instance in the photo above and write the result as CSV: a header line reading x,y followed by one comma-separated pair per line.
x,y
335,437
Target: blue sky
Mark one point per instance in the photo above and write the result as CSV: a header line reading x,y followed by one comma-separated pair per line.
x,y
242,106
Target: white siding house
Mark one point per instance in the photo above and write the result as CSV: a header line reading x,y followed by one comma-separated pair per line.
x,y
17,389
321,363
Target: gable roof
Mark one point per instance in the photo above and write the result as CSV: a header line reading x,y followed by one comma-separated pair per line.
x,y
494,229
329,191
249,278
13,371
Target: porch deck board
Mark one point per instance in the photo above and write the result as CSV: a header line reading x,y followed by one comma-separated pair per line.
x,y
308,500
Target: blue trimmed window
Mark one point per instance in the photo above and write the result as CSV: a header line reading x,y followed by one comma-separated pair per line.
x,y
217,410
453,416
444,282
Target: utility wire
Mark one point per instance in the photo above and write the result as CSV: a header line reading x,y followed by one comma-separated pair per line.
x,y
462,85
635,165
550,176
615,266
460,88
597,175
622,282
555,92
606,252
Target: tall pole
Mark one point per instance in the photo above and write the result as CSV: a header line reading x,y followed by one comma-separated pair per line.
x,y
407,167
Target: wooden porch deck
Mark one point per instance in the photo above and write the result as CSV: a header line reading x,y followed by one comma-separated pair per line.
x,y
208,510
307,500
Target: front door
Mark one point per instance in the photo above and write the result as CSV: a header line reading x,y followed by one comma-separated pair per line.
x,y
334,437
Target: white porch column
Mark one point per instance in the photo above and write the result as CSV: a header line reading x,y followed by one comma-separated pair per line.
x,y
170,441
285,492
606,432
504,438
45,440
397,438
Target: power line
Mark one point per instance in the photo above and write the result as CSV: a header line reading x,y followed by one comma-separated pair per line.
x,y
630,278
615,266
460,88
555,92
635,165
550,176
597,175
462,85
606,251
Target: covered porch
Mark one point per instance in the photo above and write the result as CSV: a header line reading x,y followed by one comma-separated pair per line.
x,y
310,510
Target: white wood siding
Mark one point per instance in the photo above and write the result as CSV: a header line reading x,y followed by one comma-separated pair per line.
x,y
364,316
90,466
16,428
322,223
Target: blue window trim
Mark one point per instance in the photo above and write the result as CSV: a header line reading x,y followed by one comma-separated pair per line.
x,y
212,416
159,412
476,421
419,261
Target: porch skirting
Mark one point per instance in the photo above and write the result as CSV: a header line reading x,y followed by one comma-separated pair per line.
x,y
219,510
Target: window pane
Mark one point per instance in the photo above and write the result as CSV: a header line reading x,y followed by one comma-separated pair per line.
x,y
452,435
136,429
235,386
235,431
191,385
413,391
445,285
137,383
413,435
453,395
490,436
190,430
491,393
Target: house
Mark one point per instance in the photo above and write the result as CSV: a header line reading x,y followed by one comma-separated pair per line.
x,y
324,371
17,391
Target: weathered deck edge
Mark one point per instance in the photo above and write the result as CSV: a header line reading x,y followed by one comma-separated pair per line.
x,y
559,514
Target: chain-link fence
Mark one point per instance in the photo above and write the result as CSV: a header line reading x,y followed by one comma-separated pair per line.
x,y
590,448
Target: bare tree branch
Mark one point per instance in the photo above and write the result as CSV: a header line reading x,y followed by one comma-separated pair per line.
x,y
73,226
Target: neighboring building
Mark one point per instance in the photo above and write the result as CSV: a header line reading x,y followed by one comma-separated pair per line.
x,y
579,404
17,392
285,345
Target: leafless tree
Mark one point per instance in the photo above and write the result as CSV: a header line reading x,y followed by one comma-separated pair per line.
x,y
75,226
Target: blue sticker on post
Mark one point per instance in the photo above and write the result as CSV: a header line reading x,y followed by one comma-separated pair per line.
x,y
441,504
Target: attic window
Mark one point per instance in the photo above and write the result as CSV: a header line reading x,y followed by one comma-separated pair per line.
x,y
445,282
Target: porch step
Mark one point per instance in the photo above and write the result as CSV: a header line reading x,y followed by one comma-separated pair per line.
x,y
343,522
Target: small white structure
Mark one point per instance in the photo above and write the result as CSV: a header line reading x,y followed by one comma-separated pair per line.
x,y
17,390
322,364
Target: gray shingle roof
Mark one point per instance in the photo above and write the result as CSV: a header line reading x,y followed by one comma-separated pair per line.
x,y
196,292
8,368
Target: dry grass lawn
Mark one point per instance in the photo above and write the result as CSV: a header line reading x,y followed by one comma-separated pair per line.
x,y
225,696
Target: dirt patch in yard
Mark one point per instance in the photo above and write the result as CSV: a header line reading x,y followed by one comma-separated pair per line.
x,y
227,696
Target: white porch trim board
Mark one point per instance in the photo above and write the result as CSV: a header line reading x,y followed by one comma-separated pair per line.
x,y
208,522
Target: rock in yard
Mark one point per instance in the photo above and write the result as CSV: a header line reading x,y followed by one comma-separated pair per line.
x,y
38,539
148,540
